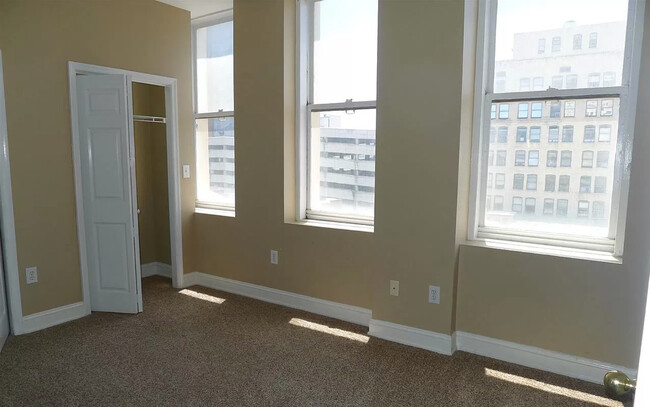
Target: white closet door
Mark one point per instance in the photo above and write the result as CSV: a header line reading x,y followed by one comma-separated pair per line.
x,y
107,192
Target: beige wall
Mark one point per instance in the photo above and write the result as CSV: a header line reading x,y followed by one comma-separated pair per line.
x,y
151,175
38,38
567,305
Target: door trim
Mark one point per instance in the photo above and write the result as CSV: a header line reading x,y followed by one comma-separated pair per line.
x,y
173,165
12,281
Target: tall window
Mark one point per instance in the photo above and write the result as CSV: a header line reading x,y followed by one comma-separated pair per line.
x,y
588,98
214,112
337,83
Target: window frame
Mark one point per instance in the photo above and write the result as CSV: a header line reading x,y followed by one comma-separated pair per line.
x,y
202,22
304,109
627,93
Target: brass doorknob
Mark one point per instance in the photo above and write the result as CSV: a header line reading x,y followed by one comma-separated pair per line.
x,y
617,384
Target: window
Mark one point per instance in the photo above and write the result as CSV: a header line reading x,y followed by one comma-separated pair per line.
x,y
593,40
557,81
592,108
518,182
565,159
590,134
563,183
598,210
571,81
504,109
491,158
549,203
587,159
600,185
593,80
602,159
531,182
562,207
503,135
500,181
488,205
609,79
549,184
577,41
583,208
493,135
607,107
585,184
338,110
522,113
562,92
535,134
498,203
501,158
517,204
570,109
605,133
490,182
530,206
214,116
520,158
567,134
521,134
555,110
556,43
493,112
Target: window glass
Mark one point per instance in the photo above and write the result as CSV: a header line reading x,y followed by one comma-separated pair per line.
x,y
587,159
345,31
518,181
521,134
535,134
549,185
564,183
214,68
522,113
216,164
551,158
548,206
531,182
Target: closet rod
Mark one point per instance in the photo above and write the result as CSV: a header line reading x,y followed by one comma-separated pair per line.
x,y
149,119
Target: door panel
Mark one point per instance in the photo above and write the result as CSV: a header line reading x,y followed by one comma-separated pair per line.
x,y
107,192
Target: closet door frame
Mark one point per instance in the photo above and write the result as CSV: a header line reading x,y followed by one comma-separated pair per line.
x,y
173,165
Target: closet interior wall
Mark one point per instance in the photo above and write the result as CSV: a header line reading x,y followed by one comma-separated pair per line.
x,y
151,175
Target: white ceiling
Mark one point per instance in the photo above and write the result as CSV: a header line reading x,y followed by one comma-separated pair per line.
x,y
199,8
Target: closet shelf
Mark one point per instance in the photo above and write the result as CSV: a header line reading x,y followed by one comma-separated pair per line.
x,y
149,119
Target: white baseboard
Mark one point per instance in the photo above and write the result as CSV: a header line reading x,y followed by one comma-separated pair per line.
x,y
537,358
344,312
156,269
54,316
407,335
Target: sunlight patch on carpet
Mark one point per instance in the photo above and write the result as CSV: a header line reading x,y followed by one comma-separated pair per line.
x,y
549,388
332,331
201,296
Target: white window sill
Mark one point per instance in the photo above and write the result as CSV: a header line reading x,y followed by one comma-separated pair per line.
x,y
334,225
215,212
580,254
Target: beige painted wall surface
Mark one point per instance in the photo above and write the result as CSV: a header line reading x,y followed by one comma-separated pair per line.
x,y
38,38
584,308
151,174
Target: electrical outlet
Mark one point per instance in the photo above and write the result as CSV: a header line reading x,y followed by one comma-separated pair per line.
x,y
394,288
31,275
274,257
434,294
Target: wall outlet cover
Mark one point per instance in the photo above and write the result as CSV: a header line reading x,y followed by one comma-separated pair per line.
x,y
31,275
274,257
434,294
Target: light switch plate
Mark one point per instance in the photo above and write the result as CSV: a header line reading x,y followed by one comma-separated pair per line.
x,y
186,171
394,288
274,257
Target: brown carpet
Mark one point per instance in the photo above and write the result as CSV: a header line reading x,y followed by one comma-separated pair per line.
x,y
186,351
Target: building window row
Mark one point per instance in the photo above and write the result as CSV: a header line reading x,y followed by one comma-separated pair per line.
x,y
534,134
534,110
556,43
550,206
563,182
